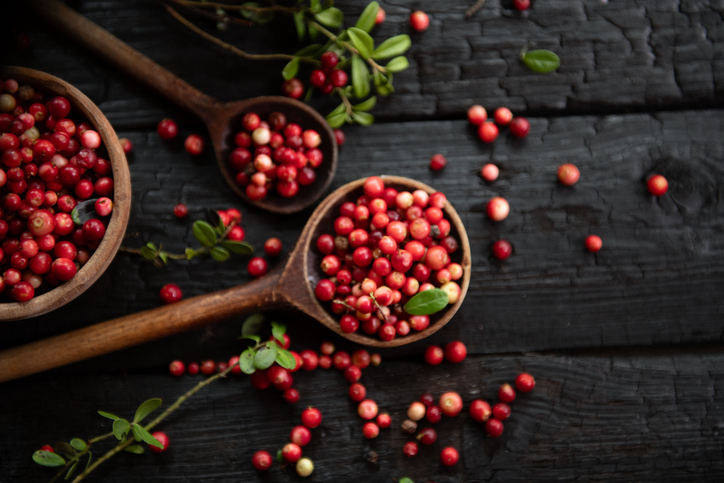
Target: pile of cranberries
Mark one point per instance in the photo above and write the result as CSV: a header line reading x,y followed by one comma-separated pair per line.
x,y
274,155
488,130
51,161
387,246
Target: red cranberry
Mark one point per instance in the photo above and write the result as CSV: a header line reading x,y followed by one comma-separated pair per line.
x,y
180,210
494,427
261,460
427,436
329,60
367,409
170,293
341,360
93,230
63,269
309,360
525,382
291,396
593,243
161,438
167,129
501,411
502,249
357,392
657,185
370,430
489,172
126,145
419,21
22,291
339,137
568,174
194,145
477,115
451,403
338,78
293,88
506,393
301,436
410,449
449,456
488,132
257,267
384,420
353,374
519,127
291,453
480,410
498,209
521,5
503,116
176,368
455,352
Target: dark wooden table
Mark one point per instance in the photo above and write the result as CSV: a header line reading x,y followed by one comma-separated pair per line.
x,y
625,345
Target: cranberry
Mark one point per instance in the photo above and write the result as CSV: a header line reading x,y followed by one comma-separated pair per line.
x,y
40,263
353,374
494,427
419,21
370,430
480,410
59,107
519,127
22,291
524,382
176,368
301,436
90,139
257,267
170,294
410,449
63,269
506,393
309,360
501,411
489,172
277,120
126,145
521,4
339,137
593,243
498,209
293,88
167,129
341,360
180,210
502,249
193,368
41,223
329,60
325,362
477,115
65,249
261,460
161,438
455,352
438,162
251,121
93,230
304,467
273,247
194,145
48,448
657,185
357,392
384,420
416,411
367,409
449,456
327,348
434,355
103,186
291,396
291,453
451,403
503,116
208,367
568,174
427,436
488,132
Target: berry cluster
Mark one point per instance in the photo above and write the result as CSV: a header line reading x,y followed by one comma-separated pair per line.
x,y
50,163
488,130
481,411
284,156
370,274
329,76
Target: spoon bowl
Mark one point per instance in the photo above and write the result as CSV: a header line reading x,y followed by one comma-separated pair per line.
x,y
288,287
222,119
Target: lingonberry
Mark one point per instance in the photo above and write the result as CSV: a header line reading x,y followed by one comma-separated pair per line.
x,y
126,145
503,116
318,78
257,267
260,380
506,393
170,293
451,403
375,359
455,351
176,368
261,460
63,269
234,364
293,88
208,367
477,115
357,392
568,174
193,368
498,209
410,449
329,60
353,374
304,467
291,452
361,358
341,360
521,4
194,145
103,206
327,348
502,249
480,410
501,411
436,257
22,291
593,243
427,436
437,162
300,436
291,396
48,448
494,427
380,16
433,414
416,411
339,137
325,362
273,247
657,185
434,355
161,438
180,210
524,382
449,456
370,430
419,21
167,129
519,127
367,409
90,139
384,420
59,107
488,132
490,172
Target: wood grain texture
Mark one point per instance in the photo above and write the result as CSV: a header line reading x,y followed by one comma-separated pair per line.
x,y
608,417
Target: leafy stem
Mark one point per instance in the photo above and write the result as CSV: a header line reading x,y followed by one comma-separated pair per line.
x,y
248,8
345,44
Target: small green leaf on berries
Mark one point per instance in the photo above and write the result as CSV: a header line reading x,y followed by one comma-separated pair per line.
x,y
78,444
240,248
337,120
406,480
363,118
65,449
190,253
252,325
147,437
108,415
146,408
286,359
136,432
152,246
46,458
204,233
332,17
120,428
265,356
369,16
542,61
84,211
290,70
135,449
280,457
392,47
427,303
362,41
278,331
219,254
366,105
398,64
246,362
163,256
360,77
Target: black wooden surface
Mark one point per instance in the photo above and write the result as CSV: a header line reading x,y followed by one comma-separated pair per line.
x,y
626,342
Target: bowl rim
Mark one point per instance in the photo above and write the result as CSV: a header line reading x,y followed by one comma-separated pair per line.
x,y
106,251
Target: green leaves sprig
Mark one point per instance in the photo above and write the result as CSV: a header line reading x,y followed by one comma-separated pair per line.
x,y
122,427
263,354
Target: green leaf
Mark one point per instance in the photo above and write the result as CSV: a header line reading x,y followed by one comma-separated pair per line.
x,y
286,359
135,449
120,428
392,47
336,120
278,331
84,211
108,415
406,480
363,118
72,470
46,458
78,444
366,105
280,457
163,256
360,77
252,324
427,303
332,17
146,436
541,60
255,338
369,16
309,50
246,362
290,70
146,408
337,110
190,253
315,6
65,449
300,25
238,247
313,32
87,464
151,245
398,64
265,356
204,233
362,41
136,432
219,254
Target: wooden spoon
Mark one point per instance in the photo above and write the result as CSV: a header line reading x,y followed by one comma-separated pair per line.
x,y
222,119
289,286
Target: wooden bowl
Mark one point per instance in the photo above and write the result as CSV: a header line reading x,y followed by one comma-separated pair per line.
x,y
103,256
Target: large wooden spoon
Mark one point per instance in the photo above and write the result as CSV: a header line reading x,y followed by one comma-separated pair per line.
x,y
222,119
289,286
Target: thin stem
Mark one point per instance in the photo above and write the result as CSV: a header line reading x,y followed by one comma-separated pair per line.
x,y
344,44
233,48
226,6
211,15
100,438
345,99
474,8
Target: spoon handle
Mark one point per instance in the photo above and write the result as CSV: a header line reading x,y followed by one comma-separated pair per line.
x,y
135,329
112,49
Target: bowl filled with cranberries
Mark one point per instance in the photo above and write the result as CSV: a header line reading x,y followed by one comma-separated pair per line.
x,y
65,193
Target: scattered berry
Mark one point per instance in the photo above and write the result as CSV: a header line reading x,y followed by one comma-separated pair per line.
x,y
501,411
167,129
301,436
367,409
437,162
494,427
257,267
311,417
490,172
357,392
291,396
410,449
304,467
126,145
194,145
524,382
568,174
593,243
477,115
488,132
370,430
176,368
521,4
480,410
455,352
434,355
180,210
519,127
161,438
503,116
419,21
261,460
502,249
506,393
384,420
380,16
451,404
273,247
449,456
657,185
170,293
291,453
416,411
498,209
